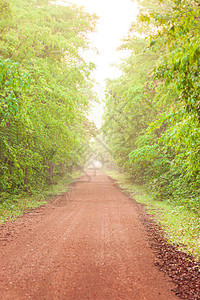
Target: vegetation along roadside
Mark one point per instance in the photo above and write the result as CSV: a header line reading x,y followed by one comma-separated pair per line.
x,y
181,226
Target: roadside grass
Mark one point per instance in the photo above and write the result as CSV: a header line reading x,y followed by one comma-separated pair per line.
x,y
13,206
181,226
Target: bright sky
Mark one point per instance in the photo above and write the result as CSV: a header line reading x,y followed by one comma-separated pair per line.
x,y
115,17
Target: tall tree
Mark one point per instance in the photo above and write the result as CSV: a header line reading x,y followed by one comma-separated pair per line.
x,y
158,97
44,89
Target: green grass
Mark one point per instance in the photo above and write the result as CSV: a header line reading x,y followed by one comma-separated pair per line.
x,y
13,206
181,226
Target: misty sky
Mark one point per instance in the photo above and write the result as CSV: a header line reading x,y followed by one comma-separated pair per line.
x,y
115,19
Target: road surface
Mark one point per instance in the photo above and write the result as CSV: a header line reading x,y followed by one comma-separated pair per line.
x,y
92,246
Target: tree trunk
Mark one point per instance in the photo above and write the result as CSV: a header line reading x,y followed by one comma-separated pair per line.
x,y
26,178
51,173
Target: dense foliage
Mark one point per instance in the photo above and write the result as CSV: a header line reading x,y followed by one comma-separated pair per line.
x,y
154,134
45,91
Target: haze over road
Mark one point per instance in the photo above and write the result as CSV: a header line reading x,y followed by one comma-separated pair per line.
x,y
93,247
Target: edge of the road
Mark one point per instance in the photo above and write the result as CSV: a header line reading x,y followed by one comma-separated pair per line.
x,y
181,267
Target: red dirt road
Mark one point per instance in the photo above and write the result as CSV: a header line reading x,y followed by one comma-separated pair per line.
x,y
94,247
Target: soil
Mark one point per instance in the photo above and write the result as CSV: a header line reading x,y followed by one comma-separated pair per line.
x,y
90,243
182,268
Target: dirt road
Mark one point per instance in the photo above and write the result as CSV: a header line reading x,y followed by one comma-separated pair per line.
x,y
94,247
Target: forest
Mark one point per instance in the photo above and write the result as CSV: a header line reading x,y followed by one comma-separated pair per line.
x,y
99,213
45,92
152,112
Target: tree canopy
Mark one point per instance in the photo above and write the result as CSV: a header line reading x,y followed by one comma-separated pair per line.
x,y
155,133
45,90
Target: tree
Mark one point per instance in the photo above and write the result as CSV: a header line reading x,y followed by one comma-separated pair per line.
x,y
158,97
44,90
